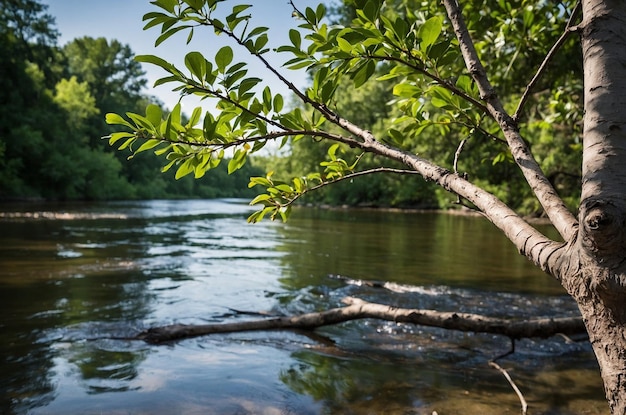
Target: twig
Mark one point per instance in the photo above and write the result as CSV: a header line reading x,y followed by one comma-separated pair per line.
x,y
513,385
503,355
457,154
349,176
560,41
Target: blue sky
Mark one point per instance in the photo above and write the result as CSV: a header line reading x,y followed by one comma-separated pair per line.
x,y
122,20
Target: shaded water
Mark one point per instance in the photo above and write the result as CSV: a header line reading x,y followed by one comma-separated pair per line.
x,y
72,276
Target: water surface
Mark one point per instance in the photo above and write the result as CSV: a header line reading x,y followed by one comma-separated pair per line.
x,y
73,276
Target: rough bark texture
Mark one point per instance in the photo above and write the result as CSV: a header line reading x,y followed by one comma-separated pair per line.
x,y
359,309
592,267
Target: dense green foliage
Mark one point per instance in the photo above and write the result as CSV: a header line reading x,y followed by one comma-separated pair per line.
x,y
381,71
550,116
52,105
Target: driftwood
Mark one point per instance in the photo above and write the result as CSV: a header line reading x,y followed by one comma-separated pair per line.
x,y
359,309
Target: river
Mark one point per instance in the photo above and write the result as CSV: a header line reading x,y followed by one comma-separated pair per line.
x,y
72,276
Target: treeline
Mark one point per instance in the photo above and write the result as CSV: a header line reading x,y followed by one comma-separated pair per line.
x,y
53,101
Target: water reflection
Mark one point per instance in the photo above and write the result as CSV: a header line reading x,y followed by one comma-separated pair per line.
x,y
417,249
73,278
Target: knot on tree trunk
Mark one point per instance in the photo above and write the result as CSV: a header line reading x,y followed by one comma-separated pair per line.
x,y
601,253
602,231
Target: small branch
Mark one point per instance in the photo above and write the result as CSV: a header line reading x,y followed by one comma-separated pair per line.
x,y
457,154
359,309
350,176
557,45
219,95
562,219
440,81
507,353
513,385
270,136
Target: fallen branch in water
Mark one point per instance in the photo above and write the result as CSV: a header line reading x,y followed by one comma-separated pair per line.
x,y
360,309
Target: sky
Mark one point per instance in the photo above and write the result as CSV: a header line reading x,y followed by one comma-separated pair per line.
x,y
122,20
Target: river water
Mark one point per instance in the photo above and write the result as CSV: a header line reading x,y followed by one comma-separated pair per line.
x,y
74,276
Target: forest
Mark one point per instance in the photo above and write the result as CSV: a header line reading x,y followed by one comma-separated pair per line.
x,y
52,104
54,98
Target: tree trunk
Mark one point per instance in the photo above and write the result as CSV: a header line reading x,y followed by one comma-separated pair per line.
x,y
593,268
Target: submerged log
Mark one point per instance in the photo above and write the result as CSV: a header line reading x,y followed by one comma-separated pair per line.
x,y
360,309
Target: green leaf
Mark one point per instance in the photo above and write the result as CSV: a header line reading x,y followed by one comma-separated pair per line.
x,y
238,160
260,43
165,80
332,150
168,5
154,115
195,116
223,58
267,99
344,45
364,73
296,39
140,121
261,181
196,63
127,143
260,199
320,11
247,84
430,31
112,118
278,103
195,4
114,137
257,31
147,145
370,11
172,119
406,90
258,216
155,60
184,169
167,34
190,36
210,124
396,136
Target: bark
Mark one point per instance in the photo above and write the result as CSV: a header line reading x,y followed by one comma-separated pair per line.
x,y
593,268
359,309
557,211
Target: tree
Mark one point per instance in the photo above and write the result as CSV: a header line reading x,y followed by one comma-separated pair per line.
x,y
451,75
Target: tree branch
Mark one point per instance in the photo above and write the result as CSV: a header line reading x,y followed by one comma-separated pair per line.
x,y
350,176
557,45
360,309
562,219
269,136
528,240
440,81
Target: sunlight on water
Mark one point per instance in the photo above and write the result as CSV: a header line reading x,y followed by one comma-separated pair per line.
x,y
75,277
